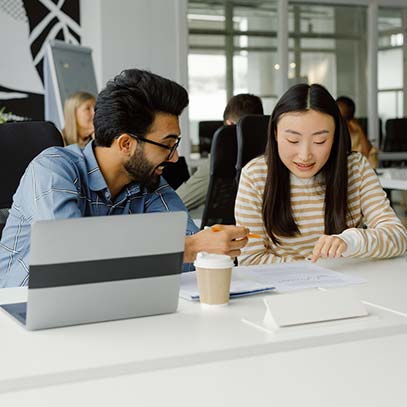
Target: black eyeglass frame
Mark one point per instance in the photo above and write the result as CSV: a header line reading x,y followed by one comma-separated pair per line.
x,y
172,148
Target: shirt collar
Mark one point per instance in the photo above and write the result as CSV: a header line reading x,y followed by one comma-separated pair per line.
x,y
96,181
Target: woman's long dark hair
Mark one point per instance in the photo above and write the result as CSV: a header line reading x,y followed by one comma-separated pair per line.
x,y
277,211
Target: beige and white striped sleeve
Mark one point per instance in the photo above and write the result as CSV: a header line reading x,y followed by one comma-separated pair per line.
x,y
385,235
248,212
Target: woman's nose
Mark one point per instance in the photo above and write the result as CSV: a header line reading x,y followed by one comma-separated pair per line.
x,y
305,152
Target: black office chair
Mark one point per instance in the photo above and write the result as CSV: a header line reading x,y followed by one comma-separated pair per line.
x,y
364,124
220,199
206,131
20,142
396,135
251,139
176,173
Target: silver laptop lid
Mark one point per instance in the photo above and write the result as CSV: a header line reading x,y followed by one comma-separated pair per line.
x,y
104,268
154,238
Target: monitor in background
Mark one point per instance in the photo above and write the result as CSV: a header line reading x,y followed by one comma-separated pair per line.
x,y
206,131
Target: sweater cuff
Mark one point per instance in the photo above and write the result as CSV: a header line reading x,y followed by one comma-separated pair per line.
x,y
353,239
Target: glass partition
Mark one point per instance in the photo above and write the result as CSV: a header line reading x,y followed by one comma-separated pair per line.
x,y
391,69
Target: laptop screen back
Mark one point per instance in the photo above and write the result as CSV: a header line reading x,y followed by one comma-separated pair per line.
x,y
104,268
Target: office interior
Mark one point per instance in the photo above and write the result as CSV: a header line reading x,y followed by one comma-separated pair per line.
x,y
216,49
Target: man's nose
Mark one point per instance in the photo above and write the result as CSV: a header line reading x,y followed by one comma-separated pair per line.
x,y
174,158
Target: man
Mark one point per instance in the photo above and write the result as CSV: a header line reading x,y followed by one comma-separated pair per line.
x,y
193,192
136,134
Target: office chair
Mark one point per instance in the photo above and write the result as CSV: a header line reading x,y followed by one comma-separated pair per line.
x,y
220,199
20,142
251,139
176,173
206,131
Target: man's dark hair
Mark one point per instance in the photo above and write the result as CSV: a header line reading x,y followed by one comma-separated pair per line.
x,y
349,105
242,104
130,101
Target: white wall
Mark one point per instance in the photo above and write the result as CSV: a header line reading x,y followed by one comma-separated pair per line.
x,y
145,34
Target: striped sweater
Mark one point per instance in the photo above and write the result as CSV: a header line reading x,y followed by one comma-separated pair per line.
x,y
385,236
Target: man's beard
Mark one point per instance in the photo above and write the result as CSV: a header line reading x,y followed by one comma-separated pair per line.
x,y
141,170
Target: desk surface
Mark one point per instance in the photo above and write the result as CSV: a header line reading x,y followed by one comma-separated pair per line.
x,y
170,352
393,156
393,178
364,374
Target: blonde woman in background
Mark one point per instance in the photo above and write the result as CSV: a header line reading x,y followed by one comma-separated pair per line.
x,y
79,110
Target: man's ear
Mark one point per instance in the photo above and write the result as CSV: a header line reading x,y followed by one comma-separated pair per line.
x,y
125,144
229,122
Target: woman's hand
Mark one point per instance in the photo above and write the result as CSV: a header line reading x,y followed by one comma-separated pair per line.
x,y
328,247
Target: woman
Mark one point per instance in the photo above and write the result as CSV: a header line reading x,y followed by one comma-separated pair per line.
x,y
359,140
308,196
79,110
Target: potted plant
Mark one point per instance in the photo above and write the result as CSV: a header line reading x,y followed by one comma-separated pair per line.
x,y
3,115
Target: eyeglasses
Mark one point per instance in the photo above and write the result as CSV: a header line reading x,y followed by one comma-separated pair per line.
x,y
171,148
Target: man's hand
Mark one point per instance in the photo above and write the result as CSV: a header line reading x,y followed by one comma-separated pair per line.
x,y
328,247
227,239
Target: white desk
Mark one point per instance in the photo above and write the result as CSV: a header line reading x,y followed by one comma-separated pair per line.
x,y
393,178
357,374
393,156
150,360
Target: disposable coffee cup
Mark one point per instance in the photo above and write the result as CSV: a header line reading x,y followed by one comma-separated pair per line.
x,y
213,273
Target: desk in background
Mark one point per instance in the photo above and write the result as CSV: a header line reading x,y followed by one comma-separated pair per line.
x,y
393,178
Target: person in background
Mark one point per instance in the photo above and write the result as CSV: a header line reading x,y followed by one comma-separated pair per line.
x,y
119,172
79,110
193,191
309,196
360,142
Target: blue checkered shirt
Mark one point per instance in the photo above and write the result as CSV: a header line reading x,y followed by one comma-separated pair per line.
x,y
67,183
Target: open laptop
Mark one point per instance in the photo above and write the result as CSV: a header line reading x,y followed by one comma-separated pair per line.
x,y
102,268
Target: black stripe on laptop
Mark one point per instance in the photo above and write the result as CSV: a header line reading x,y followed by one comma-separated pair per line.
x,y
98,271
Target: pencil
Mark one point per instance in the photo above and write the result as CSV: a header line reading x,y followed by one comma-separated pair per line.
x,y
250,235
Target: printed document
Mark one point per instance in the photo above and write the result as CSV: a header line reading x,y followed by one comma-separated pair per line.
x,y
284,277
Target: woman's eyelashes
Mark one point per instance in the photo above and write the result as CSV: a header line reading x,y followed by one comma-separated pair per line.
x,y
296,141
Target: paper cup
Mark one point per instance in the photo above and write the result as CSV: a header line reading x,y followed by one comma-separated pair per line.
x,y
213,273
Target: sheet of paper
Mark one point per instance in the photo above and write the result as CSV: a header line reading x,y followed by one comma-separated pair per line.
x,y
241,285
284,277
297,276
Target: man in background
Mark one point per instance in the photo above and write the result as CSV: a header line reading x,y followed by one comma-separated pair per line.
x,y
193,191
119,172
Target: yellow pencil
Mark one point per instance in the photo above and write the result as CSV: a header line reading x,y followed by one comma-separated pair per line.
x,y
250,235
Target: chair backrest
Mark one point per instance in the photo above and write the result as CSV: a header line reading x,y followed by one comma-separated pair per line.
x,y
251,139
206,131
364,124
220,199
176,173
396,135
20,142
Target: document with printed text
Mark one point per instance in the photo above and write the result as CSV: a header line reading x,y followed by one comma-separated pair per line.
x,y
247,280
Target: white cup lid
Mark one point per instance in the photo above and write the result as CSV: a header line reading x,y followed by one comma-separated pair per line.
x,y
213,261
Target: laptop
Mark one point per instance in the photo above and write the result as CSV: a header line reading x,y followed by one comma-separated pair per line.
x,y
102,268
